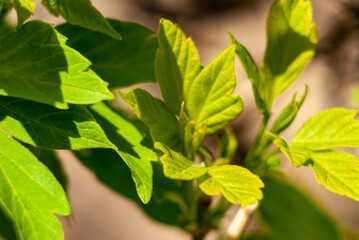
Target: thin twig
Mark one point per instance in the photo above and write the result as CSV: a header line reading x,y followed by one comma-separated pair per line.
x,y
240,222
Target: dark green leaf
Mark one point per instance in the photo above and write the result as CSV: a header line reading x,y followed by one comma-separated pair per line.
x,y
120,63
130,143
29,193
7,230
43,126
82,13
165,205
36,64
289,213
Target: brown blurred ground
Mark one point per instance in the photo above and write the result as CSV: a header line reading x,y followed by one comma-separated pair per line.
x,y
99,213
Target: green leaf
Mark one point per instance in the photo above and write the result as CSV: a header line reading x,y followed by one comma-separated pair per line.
x,y
290,213
335,127
163,124
209,97
253,74
288,114
291,43
24,9
52,162
120,63
43,69
177,64
110,169
130,146
238,184
43,126
176,166
337,171
29,193
82,13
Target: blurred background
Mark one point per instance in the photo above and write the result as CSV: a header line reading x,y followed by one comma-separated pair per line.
x,y
99,213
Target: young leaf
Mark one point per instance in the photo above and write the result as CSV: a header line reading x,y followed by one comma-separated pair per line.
x,y
120,63
165,204
191,135
24,9
337,171
43,126
43,69
153,112
288,114
291,43
209,97
82,13
289,213
177,64
238,184
335,127
253,74
176,166
29,193
130,146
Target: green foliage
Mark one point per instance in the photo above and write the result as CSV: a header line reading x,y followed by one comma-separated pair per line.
x,y
289,22
253,74
120,63
176,166
333,128
177,64
43,126
237,184
44,69
29,193
82,13
288,114
154,113
131,145
210,97
178,152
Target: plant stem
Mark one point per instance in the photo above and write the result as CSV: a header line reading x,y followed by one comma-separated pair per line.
x,y
257,147
240,222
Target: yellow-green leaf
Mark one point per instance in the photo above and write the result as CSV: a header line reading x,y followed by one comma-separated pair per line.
x,y
237,184
291,43
177,64
210,97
